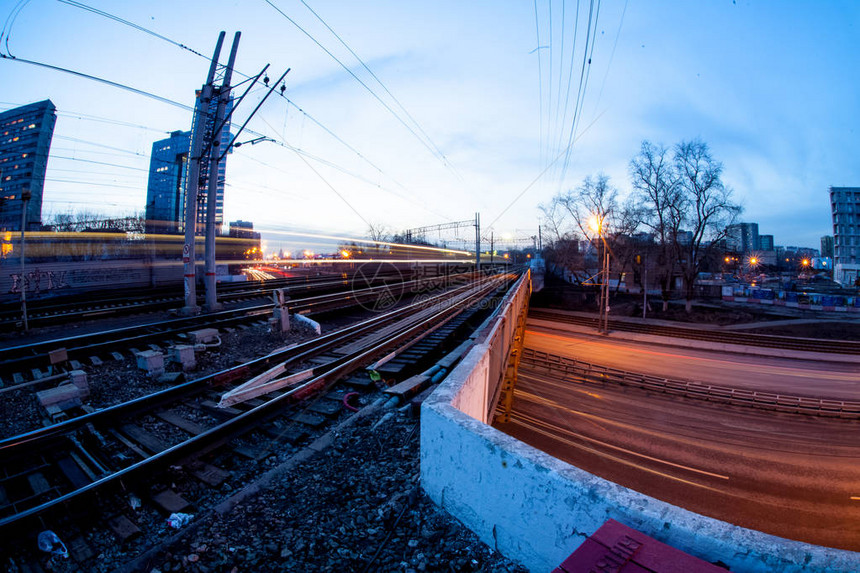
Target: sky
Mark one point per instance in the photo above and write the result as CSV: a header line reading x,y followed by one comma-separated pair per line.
x,y
480,100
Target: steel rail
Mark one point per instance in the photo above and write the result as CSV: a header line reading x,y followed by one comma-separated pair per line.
x,y
300,352
584,372
722,337
250,418
81,346
51,312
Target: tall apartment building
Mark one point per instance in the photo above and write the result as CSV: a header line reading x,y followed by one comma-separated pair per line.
x,y
765,242
827,246
25,142
224,141
845,205
168,178
165,192
742,237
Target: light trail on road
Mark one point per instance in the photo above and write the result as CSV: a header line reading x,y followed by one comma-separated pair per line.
x,y
789,475
818,379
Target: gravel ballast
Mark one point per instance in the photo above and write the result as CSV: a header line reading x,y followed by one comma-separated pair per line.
x,y
349,502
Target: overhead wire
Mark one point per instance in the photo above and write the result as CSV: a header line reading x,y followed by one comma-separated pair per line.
x,y
611,57
540,83
427,145
10,21
583,83
110,16
138,27
374,76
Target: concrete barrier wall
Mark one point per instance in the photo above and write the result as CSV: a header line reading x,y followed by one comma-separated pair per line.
x,y
536,509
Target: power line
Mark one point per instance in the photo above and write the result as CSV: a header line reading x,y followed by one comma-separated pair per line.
x,y
373,75
540,83
10,58
10,21
433,151
138,27
110,16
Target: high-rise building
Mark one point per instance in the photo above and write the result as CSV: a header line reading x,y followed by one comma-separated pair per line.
x,y
25,141
168,179
845,205
223,142
165,193
765,242
827,246
742,237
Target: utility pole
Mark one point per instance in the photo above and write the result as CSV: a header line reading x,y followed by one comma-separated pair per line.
x,y
492,246
477,241
603,326
25,198
189,254
212,195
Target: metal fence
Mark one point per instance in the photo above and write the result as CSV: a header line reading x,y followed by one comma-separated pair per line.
x,y
580,372
498,334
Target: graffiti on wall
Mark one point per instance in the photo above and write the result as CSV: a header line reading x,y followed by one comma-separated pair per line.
x,y
37,281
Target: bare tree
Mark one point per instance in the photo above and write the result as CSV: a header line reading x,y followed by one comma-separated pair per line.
x,y
656,189
595,211
705,209
378,233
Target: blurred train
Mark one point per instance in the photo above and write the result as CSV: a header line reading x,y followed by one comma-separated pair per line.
x,y
75,262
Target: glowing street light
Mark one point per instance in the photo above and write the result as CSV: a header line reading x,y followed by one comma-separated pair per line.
x,y
595,223
345,254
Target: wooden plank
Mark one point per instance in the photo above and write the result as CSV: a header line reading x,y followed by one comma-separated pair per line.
x,y
259,386
326,408
143,438
409,387
128,443
209,474
79,550
312,420
38,483
170,501
223,413
123,527
73,472
251,452
175,419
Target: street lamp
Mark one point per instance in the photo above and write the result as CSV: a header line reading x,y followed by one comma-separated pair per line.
x,y
596,224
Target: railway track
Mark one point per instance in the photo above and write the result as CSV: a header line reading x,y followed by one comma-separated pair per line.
x,y
721,337
580,372
63,310
51,475
38,361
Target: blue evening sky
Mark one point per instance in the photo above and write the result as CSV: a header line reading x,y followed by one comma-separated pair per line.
x,y
772,86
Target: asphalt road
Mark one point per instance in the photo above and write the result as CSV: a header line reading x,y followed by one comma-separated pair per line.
x,y
790,475
818,379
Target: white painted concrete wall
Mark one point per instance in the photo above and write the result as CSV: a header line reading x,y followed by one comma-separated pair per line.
x,y
536,509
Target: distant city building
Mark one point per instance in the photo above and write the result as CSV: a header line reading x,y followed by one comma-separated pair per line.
x,y
827,246
165,193
765,242
845,204
742,237
243,230
25,142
